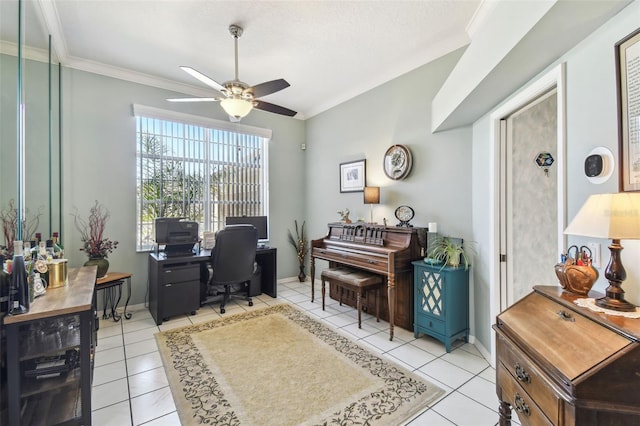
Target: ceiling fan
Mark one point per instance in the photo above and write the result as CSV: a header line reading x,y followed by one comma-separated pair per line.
x,y
236,97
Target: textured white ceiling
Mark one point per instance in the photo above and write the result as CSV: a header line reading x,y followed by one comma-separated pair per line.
x,y
329,51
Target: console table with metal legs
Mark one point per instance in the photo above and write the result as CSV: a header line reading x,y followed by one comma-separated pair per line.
x,y
111,283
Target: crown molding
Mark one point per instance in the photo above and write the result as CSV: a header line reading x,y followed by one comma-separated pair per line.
x,y
30,53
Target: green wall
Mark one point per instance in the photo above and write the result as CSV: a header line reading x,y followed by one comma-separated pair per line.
x,y
99,152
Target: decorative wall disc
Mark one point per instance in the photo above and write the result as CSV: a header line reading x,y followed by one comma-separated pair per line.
x,y
397,162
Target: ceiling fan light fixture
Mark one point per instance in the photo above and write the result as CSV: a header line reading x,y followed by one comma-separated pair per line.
x,y
236,107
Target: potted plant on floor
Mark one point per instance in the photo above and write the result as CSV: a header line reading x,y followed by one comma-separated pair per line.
x,y
301,245
95,244
450,252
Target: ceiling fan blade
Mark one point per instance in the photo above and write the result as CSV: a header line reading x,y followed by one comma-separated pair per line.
x,y
269,87
266,106
193,100
203,78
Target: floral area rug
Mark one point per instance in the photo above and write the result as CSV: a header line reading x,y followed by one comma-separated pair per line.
x,y
278,366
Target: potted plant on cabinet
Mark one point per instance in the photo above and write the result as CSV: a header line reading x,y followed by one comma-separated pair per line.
x,y
450,252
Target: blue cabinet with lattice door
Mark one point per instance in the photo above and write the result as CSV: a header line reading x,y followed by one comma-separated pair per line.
x,y
441,305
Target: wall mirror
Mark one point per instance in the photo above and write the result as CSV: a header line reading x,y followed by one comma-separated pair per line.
x,y
29,106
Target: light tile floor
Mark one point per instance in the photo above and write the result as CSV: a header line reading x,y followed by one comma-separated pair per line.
x,y
130,386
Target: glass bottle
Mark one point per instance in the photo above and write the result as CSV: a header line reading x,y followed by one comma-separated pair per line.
x,y
18,284
4,286
36,245
50,251
27,251
42,251
58,250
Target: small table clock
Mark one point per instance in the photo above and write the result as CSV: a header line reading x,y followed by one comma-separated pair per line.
x,y
404,214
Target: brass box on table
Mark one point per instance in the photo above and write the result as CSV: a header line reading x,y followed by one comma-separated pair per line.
x,y
57,273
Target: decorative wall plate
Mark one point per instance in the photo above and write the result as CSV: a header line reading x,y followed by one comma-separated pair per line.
x,y
397,162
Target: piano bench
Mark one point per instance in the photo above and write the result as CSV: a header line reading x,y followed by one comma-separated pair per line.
x,y
358,281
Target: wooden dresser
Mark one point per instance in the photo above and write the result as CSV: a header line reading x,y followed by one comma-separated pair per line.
x,y
560,364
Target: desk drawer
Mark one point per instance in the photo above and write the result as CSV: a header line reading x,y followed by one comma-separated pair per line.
x,y
528,377
522,405
180,273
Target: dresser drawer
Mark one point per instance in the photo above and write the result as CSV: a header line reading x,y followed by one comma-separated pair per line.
x,y
523,406
529,378
428,323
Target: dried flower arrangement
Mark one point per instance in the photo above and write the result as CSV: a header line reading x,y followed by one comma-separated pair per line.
x,y
300,244
92,232
9,219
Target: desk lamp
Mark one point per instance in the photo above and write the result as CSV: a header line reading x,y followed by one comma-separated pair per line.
x,y
372,196
615,216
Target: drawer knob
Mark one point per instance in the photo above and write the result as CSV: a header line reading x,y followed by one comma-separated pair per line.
x,y
565,316
521,406
521,374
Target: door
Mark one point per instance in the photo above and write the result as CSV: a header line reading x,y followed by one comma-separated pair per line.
x,y
528,198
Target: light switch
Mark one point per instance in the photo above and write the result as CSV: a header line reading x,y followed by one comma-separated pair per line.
x,y
595,253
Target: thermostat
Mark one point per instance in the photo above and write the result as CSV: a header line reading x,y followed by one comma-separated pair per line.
x,y
598,165
593,165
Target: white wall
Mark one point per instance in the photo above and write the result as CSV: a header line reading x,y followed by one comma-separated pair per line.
x,y
591,122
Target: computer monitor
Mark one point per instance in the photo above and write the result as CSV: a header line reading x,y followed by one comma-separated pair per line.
x,y
260,223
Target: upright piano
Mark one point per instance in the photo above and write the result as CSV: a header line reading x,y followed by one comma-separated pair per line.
x,y
384,250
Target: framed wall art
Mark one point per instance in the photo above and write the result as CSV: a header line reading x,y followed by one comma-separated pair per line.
x,y
352,176
627,52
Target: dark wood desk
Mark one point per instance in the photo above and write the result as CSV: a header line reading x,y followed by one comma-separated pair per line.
x,y
175,281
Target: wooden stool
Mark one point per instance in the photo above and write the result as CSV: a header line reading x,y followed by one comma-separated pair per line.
x,y
355,280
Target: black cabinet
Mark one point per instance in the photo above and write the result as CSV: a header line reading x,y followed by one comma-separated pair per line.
x,y
50,355
174,285
267,259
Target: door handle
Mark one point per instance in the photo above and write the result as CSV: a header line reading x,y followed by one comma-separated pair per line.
x,y
521,374
566,316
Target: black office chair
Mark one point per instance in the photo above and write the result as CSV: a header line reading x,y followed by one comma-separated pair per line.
x,y
232,260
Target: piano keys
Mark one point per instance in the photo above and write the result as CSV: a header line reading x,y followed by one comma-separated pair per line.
x,y
383,250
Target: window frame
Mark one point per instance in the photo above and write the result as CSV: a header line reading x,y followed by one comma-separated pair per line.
x,y
209,127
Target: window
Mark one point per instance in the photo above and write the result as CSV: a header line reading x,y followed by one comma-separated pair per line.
x,y
199,169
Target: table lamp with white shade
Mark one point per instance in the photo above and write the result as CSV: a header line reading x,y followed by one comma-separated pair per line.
x,y
614,216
